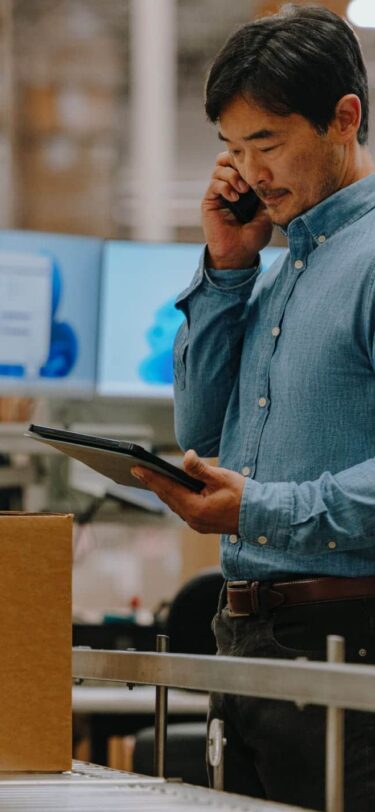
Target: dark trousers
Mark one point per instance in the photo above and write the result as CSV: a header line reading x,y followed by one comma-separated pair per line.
x,y
275,750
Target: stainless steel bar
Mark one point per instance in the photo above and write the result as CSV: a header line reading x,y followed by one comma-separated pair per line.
x,y
335,737
161,712
219,770
319,683
113,793
215,749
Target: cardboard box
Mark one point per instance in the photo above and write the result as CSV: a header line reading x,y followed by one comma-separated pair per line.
x,y
198,552
35,642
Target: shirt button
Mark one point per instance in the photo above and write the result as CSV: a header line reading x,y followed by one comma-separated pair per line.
x,y
298,264
246,470
233,539
262,539
275,331
332,545
262,402
321,238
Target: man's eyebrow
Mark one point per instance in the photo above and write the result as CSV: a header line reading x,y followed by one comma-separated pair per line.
x,y
259,134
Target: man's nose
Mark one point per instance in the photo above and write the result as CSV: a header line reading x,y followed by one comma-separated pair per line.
x,y
256,172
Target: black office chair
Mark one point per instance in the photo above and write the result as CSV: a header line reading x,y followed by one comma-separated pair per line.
x,y
188,626
188,623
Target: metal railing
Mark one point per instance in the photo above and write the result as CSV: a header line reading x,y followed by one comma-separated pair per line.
x,y
334,684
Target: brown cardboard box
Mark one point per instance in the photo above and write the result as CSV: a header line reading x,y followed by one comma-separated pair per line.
x,y
35,642
198,552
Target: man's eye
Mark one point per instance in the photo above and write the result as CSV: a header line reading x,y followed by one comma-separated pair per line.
x,y
269,149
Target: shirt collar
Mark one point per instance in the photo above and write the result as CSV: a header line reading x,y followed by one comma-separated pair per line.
x,y
333,213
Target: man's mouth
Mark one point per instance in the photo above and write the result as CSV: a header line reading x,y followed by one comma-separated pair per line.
x,y
273,196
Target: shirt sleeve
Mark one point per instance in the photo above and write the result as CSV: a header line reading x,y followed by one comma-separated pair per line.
x,y
207,352
332,514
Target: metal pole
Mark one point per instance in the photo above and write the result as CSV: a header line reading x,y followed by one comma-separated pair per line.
x,y
335,737
161,711
8,179
216,744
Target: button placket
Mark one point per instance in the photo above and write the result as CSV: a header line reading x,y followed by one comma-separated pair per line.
x,y
287,280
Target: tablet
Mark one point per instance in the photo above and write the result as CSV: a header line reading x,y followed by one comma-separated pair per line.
x,y
113,458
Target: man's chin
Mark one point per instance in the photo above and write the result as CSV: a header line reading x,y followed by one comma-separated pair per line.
x,y
276,214
282,219
281,222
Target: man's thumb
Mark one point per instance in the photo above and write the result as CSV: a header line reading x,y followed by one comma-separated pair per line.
x,y
196,467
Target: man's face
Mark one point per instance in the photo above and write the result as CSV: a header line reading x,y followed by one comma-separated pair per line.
x,y
283,158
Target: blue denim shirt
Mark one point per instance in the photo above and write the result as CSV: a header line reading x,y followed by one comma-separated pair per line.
x,y
275,373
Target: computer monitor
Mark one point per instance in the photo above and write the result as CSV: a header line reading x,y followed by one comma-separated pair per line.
x,y
270,254
49,301
138,319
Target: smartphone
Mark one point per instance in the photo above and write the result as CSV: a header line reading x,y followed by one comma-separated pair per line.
x,y
245,207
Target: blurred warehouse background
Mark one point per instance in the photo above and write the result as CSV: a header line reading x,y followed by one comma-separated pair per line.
x,y
103,130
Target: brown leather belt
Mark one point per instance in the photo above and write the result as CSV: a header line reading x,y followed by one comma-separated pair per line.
x,y
251,597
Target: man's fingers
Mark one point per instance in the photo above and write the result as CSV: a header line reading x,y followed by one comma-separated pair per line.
x,y
224,159
183,501
214,510
154,480
228,179
226,183
170,491
195,466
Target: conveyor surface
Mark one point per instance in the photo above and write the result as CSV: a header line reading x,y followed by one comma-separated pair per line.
x,y
90,788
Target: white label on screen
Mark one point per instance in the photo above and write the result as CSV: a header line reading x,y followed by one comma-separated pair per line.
x,y
25,310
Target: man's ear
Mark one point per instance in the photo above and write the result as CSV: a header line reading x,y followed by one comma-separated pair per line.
x,y
347,119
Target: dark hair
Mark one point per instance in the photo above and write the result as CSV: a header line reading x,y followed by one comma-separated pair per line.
x,y
301,60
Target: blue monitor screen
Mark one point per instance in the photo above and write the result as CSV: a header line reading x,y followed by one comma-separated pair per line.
x,y
49,300
138,320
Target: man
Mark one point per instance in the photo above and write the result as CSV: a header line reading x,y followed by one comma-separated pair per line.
x,y
275,372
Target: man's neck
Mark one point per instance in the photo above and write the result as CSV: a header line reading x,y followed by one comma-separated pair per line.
x,y
359,165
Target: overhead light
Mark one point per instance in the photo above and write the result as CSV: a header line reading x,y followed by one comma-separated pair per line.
x,y
362,13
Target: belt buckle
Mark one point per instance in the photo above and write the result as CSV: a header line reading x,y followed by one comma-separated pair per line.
x,y
238,585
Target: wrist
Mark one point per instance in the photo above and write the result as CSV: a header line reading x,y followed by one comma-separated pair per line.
x,y
234,263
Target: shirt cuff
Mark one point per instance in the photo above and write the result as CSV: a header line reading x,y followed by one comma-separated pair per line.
x,y
195,283
232,279
265,514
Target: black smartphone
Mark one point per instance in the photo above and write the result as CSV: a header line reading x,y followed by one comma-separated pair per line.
x,y
245,207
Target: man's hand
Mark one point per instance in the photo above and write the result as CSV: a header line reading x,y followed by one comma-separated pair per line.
x,y
215,509
230,244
